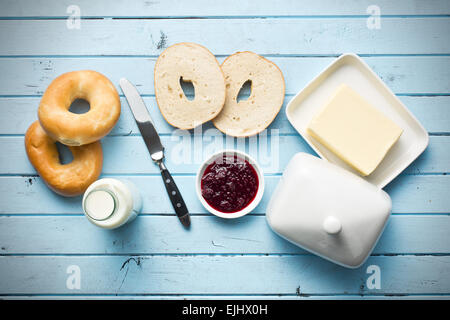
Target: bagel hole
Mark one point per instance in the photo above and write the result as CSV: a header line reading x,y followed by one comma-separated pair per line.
x,y
245,91
64,154
79,106
188,89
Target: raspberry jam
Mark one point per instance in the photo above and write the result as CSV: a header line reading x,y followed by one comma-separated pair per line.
x,y
229,184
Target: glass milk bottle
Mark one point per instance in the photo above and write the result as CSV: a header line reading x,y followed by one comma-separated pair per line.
x,y
110,203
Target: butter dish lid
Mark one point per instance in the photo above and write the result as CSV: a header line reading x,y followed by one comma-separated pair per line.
x,y
328,210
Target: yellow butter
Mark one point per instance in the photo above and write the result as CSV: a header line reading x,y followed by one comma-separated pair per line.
x,y
354,130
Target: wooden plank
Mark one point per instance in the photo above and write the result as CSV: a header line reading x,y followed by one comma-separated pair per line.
x,y
164,235
326,36
19,113
186,151
231,8
31,76
298,71
428,161
230,274
129,155
409,193
432,112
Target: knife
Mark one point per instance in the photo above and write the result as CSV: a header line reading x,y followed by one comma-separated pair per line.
x,y
154,146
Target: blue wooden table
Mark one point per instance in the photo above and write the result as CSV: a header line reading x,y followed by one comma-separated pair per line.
x,y
49,249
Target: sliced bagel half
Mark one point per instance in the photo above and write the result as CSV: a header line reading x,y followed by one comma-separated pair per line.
x,y
189,62
253,115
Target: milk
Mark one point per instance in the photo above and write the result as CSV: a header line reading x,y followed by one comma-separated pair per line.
x,y
110,203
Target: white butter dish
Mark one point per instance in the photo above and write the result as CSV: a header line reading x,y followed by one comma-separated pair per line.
x,y
351,70
328,210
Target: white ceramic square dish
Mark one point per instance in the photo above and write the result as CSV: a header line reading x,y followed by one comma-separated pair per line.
x,y
353,71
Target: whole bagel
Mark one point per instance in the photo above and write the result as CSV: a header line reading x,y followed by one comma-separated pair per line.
x,y
78,129
70,179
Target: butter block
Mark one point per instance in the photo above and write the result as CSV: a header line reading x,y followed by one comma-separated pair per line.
x,y
354,130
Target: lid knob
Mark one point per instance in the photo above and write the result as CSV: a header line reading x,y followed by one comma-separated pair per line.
x,y
332,225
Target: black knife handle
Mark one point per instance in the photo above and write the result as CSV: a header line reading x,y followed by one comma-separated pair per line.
x,y
175,196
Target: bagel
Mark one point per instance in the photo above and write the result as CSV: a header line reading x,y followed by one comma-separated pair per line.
x,y
70,179
251,116
78,129
191,62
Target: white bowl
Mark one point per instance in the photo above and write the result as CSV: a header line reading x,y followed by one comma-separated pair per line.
x,y
252,205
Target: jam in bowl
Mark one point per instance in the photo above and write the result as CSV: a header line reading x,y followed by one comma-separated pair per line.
x,y
230,184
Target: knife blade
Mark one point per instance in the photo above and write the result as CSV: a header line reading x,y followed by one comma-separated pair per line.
x,y
154,146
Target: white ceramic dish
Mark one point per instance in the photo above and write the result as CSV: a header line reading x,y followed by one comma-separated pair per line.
x,y
352,70
310,208
252,204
